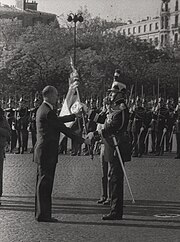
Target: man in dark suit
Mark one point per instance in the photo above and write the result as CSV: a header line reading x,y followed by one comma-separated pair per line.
x,y
48,127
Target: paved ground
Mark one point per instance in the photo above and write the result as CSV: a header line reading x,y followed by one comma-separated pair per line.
x,y
155,184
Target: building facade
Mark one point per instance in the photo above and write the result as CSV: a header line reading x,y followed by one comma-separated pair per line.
x,y
162,30
26,12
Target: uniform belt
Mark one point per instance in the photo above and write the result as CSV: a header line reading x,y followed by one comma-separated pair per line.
x,y
138,119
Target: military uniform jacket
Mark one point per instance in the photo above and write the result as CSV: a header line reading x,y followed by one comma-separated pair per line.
x,y
177,120
10,115
138,118
22,119
48,127
32,120
116,124
162,118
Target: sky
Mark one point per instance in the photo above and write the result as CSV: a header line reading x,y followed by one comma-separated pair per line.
x,y
106,9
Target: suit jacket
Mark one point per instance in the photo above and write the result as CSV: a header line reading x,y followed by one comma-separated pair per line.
x,y
48,127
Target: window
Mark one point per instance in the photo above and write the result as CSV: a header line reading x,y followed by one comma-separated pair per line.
x,y
134,30
166,22
150,40
156,40
124,31
150,27
129,31
139,29
176,38
156,26
145,28
176,21
162,23
162,39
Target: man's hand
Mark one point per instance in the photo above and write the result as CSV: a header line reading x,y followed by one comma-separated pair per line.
x,y
74,85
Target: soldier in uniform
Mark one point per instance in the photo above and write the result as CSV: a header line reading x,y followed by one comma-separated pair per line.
x,y
116,125
129,128
32,122
91,125
22,119
170,126
148,126
162,117
153,125
177,128
138,125
4,137
10,116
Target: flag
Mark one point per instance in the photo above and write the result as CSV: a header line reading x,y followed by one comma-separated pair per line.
x,y
71,102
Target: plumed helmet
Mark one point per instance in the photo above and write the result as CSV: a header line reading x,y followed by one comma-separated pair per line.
x,y
161,100
21,100
117,72
117,75
117,87
10,101
36,100
138,99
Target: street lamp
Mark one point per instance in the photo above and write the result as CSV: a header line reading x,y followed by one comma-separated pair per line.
x,y
75,18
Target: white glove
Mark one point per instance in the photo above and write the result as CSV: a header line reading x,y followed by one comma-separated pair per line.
x,y
87,141
90,136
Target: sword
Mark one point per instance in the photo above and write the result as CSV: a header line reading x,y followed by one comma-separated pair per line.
x,y
139,136
147,136
170,139
162,137
122,166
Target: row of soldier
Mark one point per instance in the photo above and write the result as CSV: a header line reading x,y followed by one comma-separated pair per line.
x,y
152,122
156,120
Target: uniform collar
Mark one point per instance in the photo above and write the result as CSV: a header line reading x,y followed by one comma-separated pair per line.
x,y
50,105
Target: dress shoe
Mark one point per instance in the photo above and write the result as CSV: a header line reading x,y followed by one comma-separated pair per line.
x,y
112,216
73,154
101,200
107,202
177,157
48,220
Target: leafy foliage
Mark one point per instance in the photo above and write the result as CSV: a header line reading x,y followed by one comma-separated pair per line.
x,y
39,55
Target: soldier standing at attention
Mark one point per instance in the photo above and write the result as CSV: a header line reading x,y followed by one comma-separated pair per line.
x,y
4,137
10,116
138,126
162,114
177,128
115,125
22,119
32,123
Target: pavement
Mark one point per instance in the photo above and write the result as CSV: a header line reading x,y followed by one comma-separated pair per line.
x,y
155,216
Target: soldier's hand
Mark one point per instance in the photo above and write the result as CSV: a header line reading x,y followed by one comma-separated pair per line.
x,y
87,141
90,135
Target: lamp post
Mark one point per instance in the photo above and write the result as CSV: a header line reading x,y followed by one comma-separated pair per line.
x,y
75,18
